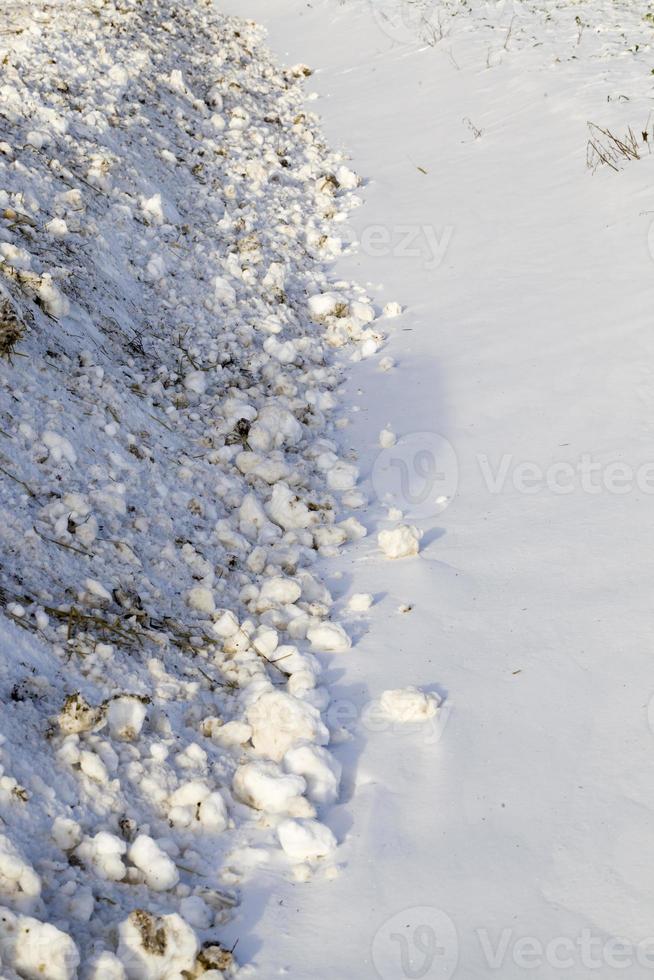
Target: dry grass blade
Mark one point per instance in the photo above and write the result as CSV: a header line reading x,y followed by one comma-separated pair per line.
x,y
605,148
12,327
21,483
63,544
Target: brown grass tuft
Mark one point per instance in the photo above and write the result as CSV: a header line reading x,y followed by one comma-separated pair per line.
x,y
12,327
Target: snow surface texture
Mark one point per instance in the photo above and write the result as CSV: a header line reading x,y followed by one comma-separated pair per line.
x,y
530,343
168,479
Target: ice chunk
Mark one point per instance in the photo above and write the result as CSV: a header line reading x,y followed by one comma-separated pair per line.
x,y
152,210
57,228
52,300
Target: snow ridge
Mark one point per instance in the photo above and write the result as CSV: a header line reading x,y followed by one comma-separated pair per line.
x,y
168,479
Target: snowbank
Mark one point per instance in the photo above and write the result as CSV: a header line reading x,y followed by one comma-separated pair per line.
x,y
171,477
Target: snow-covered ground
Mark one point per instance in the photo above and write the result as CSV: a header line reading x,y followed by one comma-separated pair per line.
x,y
231,718
520,841
169,396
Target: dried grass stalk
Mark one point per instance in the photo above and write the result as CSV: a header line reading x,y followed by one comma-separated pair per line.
x,y
12,327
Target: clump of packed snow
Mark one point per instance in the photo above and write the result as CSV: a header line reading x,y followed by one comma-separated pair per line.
x,y
35,949
402,541
264,786
409,705
125,717
305,840
329,637
195,804
103,854
360,601
158,870
320,770
18,879
387,438
156,948
280,720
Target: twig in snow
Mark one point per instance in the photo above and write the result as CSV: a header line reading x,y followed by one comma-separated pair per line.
x,y
154,417
508,34
62,544
19,482
473,129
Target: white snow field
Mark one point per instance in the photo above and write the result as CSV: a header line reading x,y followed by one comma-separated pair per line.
x,y
517,838
326,529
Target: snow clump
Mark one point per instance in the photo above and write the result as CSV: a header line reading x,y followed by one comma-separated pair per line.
x,y
400,542
409,705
